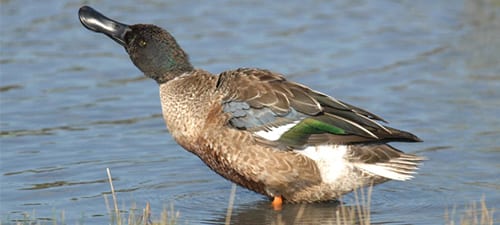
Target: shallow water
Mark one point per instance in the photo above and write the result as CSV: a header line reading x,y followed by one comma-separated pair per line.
x,y
72,103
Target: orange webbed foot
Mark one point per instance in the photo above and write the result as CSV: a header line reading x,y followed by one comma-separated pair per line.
x,y
277,203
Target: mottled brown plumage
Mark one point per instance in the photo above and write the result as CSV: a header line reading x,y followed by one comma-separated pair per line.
x,y
240,156
255,128
232,153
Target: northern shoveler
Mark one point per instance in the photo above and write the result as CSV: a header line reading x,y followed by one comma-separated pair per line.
x,y
259,130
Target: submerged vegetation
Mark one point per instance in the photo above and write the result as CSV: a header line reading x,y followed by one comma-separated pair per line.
x,y
473,214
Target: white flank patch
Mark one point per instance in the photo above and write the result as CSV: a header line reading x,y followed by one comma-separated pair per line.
x,y
384,171
329,159
275,132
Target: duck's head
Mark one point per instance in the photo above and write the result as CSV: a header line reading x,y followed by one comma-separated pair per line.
x,y
152,49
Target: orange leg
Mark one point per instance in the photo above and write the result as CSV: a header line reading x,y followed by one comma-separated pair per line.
x,y
277,203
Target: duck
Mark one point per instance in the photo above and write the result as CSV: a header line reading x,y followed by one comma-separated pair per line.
x,y
259,130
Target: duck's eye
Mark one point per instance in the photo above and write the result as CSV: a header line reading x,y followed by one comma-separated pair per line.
x,y
142,43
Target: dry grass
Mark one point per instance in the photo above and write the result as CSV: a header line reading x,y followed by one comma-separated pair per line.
x,y
474,214
119,218
359,215
345,214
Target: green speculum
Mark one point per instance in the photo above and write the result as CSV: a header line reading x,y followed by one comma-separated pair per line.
x,y
298,135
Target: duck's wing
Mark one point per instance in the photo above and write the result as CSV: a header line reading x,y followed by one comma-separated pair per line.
x,y
287,114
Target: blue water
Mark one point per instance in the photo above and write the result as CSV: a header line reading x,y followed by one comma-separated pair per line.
x,y
72,103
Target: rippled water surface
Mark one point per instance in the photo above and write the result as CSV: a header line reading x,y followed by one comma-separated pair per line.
x,y
72,103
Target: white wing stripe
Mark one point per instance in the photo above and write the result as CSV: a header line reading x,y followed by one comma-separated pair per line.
x,y
274,133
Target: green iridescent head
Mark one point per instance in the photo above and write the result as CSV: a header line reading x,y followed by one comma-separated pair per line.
x,y
152,49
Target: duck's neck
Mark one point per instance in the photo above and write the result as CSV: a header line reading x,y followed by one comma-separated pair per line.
x,y
170,71
186,102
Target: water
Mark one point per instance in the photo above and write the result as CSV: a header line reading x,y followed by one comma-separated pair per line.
x,y
72,104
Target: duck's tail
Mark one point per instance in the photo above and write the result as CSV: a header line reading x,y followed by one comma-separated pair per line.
x,y
385,161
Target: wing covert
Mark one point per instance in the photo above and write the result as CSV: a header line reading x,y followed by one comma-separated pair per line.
x,y
265,103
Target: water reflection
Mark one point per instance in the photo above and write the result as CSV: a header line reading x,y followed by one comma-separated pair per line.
x,y
43,131
10,87
296,214
79,127
61,183
39,170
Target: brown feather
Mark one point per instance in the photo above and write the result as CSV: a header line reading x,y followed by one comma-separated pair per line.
x,y
263,88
